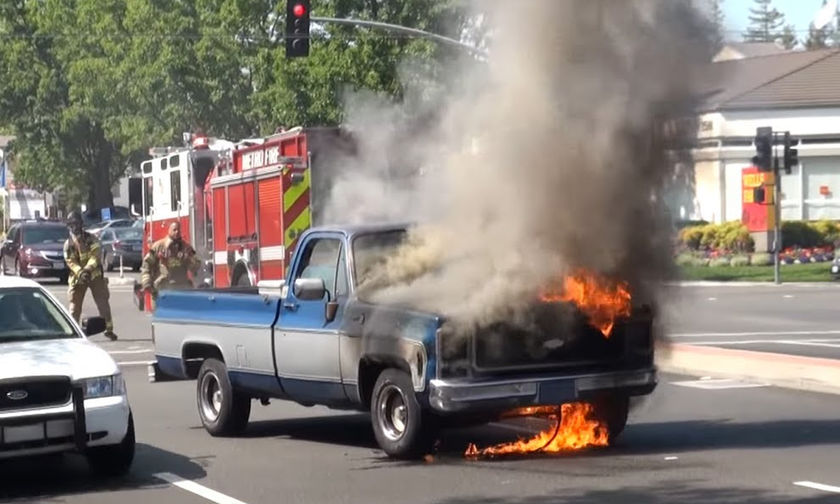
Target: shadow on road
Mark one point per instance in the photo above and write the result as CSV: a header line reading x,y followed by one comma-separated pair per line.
x,y
675,437
682,492
639,439
345,430
50,479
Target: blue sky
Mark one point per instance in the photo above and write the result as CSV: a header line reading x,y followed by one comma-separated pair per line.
x,y
797,12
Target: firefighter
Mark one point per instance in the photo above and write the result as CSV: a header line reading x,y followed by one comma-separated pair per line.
x,y
168,264
82,254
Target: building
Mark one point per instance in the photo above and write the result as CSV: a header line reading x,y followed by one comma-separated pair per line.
x,y
796,91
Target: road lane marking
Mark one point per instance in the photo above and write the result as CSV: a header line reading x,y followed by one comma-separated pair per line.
x,y
817,486
820,343
195,488
719,384
134,363
748,334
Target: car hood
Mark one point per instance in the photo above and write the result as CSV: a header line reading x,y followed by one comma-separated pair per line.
x,y
76,358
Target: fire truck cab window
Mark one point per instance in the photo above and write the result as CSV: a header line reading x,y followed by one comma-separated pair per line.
x,y
147,167
321,260
174,190
174,161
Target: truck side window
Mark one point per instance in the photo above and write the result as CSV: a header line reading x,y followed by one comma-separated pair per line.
x,y
320,260
175,190
341,288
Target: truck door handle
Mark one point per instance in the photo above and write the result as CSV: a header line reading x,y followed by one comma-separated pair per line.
x,y
290,306
359,318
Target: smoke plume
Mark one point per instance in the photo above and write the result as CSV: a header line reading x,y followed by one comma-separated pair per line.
x,y
551,156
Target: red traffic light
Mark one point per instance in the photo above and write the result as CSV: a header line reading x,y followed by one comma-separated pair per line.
x,y
299,10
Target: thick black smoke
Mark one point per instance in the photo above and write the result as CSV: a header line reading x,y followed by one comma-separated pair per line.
x,y
554,157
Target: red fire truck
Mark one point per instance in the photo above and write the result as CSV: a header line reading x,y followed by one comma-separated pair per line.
x,y
241,205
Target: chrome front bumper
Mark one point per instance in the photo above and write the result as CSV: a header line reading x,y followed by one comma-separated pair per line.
x,y
465,396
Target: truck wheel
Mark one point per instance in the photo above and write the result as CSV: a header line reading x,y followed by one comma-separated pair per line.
x,y
399,424
613,411
114,460
223,410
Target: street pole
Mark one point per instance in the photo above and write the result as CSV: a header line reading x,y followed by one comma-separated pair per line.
x,y
777,231
400,29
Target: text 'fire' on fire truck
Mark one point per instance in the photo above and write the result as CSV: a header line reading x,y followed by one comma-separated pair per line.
x,y
241,205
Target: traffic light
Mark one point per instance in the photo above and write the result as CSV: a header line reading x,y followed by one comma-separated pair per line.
x,y
297,28
764,149
791,155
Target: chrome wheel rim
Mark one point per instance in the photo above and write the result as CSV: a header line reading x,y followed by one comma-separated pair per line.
x,y
393,413
210,396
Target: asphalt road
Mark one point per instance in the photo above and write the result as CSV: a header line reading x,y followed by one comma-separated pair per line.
x,y
684,444
790,319
692,441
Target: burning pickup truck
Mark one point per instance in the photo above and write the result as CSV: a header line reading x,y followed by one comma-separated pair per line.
x,y
315,338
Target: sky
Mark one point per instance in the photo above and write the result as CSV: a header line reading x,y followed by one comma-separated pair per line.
x,y
800,13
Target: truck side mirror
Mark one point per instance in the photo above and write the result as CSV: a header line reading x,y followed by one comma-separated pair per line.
x,y
310,289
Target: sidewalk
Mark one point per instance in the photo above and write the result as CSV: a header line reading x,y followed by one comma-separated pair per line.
x,y
787,371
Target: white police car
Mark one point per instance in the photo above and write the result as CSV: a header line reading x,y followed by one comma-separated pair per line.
x,y
58,391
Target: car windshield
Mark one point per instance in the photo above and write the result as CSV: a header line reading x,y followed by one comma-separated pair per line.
x,y
128,234
370,251
27,314
44,234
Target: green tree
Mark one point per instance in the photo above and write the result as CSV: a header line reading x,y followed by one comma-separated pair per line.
x,y
718,19
817,39
765,22
789,40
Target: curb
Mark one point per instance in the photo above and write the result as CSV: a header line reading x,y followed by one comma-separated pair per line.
x,y
787,371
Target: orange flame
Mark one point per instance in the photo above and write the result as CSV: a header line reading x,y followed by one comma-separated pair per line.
x,y
574,430
601,301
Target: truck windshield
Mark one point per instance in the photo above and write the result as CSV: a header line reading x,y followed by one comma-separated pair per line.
x,y
45,234
26,314
370,251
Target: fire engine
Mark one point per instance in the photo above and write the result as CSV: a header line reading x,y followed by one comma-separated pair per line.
x,y
241,205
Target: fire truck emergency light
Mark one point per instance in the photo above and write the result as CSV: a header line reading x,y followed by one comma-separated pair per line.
x,y
200,142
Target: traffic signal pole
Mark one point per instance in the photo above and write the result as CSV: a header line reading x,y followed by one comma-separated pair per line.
x,y
777,225
400,29
767,159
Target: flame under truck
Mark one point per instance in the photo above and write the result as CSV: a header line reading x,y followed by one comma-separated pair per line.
x,y
241,205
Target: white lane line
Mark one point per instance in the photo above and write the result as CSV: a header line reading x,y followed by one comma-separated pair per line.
x,y
748,334
817,486
767,342
134,363
195,488
719,384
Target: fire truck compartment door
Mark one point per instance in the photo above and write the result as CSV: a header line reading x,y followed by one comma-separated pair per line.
x,y
306,345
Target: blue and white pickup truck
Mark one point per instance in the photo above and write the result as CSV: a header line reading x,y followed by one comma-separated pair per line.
x,y
313,339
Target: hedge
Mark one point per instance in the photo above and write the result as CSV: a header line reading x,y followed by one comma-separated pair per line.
x,y
734,237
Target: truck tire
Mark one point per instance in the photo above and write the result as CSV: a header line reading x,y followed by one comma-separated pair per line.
x,y
223,410
114,460
401,428
613,410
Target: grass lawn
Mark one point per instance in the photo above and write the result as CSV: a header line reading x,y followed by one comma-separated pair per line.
x,y
815,272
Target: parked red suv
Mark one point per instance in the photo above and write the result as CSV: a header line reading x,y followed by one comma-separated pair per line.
x,y
35,249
